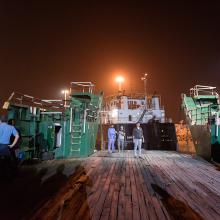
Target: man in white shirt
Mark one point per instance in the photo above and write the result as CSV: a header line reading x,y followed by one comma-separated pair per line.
x,y
121,139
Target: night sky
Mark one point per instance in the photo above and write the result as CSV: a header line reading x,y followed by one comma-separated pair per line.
x,y
44,46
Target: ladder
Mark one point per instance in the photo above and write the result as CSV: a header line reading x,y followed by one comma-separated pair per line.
x,y
76,139
76,135
142,115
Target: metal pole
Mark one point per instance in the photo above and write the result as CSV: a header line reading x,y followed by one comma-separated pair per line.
x,y
119,87
145,91
71,119
101,131
144,78
64,134
65,99
84,122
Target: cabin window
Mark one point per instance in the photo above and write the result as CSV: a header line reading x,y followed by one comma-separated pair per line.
x,y
129,117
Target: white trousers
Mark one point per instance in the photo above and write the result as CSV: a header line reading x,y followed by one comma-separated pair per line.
x,y
121,144
137,145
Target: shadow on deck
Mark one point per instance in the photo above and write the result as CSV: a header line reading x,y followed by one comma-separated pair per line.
x,y
159,185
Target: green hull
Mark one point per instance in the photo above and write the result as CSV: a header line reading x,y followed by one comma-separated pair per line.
x,y
61,133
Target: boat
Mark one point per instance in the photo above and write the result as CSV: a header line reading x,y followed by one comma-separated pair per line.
x,y
124,109
160,185
57,128
201,108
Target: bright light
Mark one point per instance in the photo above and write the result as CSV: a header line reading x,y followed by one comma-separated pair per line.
x,y
65,91
144,77
119,79
114,113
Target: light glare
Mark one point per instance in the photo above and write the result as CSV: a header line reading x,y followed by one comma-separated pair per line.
x,y
119,79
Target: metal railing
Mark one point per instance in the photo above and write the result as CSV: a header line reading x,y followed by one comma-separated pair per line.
x,y
202,114
82,87
203,90
27,100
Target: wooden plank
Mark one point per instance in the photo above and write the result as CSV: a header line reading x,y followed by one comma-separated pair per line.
x,y
190,198
134,196
124,187
140,183
114,204
99,210
99,184
128,200
121,199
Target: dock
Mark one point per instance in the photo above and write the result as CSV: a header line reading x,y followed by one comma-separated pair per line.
x,y
158,185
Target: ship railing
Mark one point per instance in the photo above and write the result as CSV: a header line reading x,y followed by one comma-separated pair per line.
x,y
197,116
131,119
115,100
141,107
201,115
129,95
30,101
203,90
82,87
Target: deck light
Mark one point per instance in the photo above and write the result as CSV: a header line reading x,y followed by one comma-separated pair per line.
x,y
65,92
119,80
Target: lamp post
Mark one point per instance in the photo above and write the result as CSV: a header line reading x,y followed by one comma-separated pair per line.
x,y
65,92
144,78
120,80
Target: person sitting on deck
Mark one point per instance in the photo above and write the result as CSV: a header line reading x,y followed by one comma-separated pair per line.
x,y
121,139
111,139
138,137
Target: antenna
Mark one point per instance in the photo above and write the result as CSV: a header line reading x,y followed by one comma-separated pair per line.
x,y
144,78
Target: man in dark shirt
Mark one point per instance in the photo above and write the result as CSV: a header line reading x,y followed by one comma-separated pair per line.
x,y
137,139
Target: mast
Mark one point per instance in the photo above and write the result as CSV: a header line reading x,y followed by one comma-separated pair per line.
x,y
144,78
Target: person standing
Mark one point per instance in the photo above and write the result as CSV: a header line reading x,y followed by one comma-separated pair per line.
x,y
15,149
111,139
5,134
121,139
138,137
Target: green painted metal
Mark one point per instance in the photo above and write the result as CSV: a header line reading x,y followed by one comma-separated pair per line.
x,y
71,132
200,108
202,113
80,126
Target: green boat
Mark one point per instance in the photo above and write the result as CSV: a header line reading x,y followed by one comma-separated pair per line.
x,y
57,128
202,112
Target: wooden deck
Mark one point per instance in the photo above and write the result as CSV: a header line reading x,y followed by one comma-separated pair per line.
x,y
159,185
